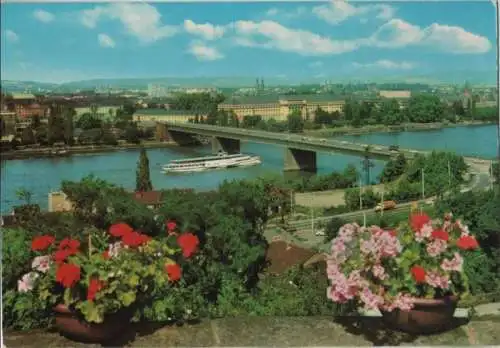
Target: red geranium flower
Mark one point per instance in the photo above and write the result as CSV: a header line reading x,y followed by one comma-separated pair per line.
x,y
68,274
62,254
393,233
68,243
188,243
467,243
42,242
120,229
440,234
171,226
95,285
105,255
418,221
135,239
418,273
174,272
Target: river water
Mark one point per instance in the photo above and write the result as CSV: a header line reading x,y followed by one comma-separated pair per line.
x,y
40,176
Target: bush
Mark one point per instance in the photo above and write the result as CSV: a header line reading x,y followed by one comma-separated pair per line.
x,y
298,292
332,228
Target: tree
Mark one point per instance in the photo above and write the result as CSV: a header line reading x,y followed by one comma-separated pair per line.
x,y
295,122
143,181
24,195
132,134
69,113
88,121
367,164
394,168
27,136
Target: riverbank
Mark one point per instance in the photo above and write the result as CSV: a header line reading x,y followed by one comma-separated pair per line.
x,y
74,150
413,127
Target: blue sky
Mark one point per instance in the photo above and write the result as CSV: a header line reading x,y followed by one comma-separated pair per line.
x,y
59,42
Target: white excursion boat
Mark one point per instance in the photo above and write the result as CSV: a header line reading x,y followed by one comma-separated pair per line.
x,y
220,161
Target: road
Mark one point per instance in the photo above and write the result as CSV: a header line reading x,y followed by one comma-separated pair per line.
x,y
297,140
480,181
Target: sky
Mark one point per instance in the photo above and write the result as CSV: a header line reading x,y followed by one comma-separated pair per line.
x,y
62,42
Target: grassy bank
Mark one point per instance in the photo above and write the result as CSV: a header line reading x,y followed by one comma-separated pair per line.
x,y
349,130
46,152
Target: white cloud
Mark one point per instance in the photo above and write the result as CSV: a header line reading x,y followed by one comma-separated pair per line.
x,y
43,16
139,19
207,31
275,12
203,52
398,33
11,36
105,41
316,64
272,35
386,64
338,11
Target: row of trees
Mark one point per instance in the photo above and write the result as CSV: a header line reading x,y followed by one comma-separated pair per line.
x,y
424,175
61,127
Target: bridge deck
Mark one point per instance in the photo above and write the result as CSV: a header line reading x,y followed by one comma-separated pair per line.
x,y
301,142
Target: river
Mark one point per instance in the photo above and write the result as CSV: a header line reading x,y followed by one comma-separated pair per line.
x,y
40,176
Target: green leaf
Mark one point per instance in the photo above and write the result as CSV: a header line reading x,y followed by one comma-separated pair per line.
x,y
127,298
90,312
133,281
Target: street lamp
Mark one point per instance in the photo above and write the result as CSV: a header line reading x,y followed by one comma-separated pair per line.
x,y
496,3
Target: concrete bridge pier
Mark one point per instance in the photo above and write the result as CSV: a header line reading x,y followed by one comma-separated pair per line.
x,y
182,138
231,146
302,160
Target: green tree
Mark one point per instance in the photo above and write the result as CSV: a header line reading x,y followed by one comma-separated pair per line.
x,y
27,136
295,122
367,164
88,121
142,180
394,168
132,134
69,114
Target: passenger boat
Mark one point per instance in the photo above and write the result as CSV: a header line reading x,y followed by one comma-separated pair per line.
x,y
221,161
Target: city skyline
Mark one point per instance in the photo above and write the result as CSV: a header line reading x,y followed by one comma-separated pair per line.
x,y
55,42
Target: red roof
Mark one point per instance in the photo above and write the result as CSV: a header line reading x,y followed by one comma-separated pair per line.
x,y
148,197
282,256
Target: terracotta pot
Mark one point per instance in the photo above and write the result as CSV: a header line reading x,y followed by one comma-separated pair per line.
x,y
73,327
427,316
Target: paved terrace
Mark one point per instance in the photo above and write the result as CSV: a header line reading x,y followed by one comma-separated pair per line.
x,y
302,149
278,332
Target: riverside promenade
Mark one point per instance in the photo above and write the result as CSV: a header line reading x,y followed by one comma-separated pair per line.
x,y
482,329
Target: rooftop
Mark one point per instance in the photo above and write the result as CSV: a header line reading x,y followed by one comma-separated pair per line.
x,y
268,99
20,96
163,112
148,197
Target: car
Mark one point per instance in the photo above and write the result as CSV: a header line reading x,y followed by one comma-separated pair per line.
x,y
394,148
322,140
320,233
377,148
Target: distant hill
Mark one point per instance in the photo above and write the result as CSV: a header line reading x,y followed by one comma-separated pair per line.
x,y
451,77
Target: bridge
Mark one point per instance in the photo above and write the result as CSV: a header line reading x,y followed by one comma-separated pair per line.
x,y
300,150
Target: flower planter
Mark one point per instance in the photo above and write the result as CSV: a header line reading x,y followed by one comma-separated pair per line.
x,y
428,316
71,326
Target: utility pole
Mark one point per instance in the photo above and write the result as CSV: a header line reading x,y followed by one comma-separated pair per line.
x,y
491,175
291,204
382,202
496,3
449,176
312,220
423,183
361,201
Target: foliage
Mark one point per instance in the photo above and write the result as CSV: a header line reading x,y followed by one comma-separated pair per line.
x,y
394,168
143,181
295,122
332,227
297,292
387,269
479,210
106,277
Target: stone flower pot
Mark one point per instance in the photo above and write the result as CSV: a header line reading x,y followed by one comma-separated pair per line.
x,y
70,325
428,316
